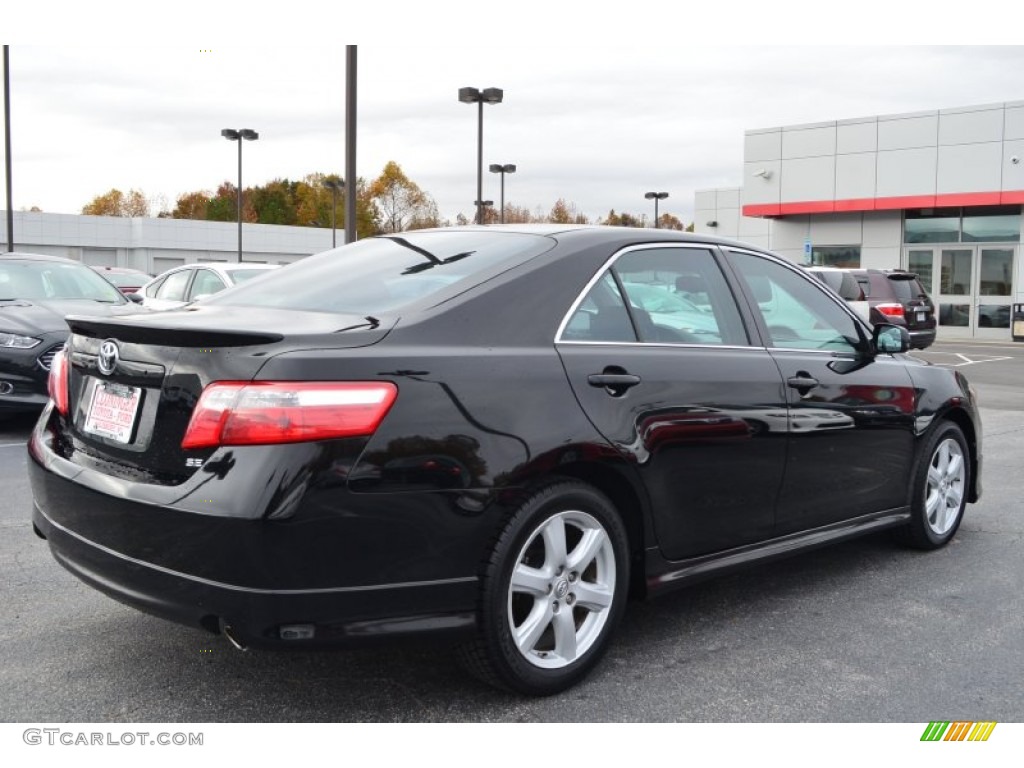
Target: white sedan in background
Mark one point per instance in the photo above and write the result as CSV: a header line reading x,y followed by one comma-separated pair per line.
x,y
176,287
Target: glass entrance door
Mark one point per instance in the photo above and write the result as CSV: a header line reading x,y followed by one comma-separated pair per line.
x,y
994,292
971,286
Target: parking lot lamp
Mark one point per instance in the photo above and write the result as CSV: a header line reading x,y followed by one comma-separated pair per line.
x,y
503,169
656,196
232,135
480,97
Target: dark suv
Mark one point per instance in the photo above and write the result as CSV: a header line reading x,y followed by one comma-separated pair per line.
x,y
897,297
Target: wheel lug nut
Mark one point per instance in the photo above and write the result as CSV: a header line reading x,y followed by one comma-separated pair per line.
x,y
554,607
570,598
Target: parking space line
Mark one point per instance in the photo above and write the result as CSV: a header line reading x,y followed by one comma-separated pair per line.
x,y
14,445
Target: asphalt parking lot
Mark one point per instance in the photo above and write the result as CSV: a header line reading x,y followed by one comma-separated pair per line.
x,y
862,632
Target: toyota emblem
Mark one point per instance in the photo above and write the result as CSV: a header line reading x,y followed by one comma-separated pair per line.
x,y
108,357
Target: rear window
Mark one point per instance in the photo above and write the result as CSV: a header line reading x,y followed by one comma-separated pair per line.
x,y
54,280
905,290
387,273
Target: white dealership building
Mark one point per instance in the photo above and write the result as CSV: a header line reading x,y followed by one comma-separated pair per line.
x,y
938,193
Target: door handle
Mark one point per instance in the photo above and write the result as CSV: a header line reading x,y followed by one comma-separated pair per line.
x,y
615,384
803,382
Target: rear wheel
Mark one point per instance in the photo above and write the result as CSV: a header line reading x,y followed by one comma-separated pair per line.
x,y
941,484
553,590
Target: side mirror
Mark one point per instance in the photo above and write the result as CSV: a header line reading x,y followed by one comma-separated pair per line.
x,y
890,339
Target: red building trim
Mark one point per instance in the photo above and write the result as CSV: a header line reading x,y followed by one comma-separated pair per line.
x,y
884,203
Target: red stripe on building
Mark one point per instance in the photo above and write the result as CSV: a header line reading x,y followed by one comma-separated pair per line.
x,y
884,203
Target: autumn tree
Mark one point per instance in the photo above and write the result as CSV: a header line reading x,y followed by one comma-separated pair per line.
x,y
621,220
399,200
668,221
191,205
116,203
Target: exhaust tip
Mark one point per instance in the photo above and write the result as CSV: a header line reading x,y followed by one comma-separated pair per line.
x,y
229,634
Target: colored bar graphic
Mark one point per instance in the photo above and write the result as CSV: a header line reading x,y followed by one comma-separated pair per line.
x,y
958,731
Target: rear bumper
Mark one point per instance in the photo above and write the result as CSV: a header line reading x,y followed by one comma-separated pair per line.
x,y
922,339
352,567
256,617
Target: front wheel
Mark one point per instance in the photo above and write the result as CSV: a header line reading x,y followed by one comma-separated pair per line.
x,y
941,484
552,591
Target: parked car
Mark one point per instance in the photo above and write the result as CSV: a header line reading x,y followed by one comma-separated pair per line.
x,y
845,284
36,291
479,433
885,296
125,280
897,297
181,285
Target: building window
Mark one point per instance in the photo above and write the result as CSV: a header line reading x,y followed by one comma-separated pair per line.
x,y
843,256
987,224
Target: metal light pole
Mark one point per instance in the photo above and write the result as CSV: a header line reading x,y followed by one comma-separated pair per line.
x,y
335,187
7,145
503,169
232,135
656,196
481,97
351,233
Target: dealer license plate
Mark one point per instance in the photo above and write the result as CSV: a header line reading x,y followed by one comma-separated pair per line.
x,y
112,411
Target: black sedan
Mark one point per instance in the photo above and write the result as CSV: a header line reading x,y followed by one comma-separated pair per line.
x,y
483,433
36,292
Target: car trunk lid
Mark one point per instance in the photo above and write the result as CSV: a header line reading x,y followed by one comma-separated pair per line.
x,y
133,383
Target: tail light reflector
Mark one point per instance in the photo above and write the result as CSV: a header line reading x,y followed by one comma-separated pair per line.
x,y
262,413
57,383
891,310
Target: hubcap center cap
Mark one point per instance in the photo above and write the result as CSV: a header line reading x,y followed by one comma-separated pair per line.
x,y
561,588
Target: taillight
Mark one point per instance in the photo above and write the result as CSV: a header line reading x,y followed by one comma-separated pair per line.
x,y
890,310
57,383
261,413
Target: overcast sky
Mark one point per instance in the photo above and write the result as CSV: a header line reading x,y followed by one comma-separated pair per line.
x,y
597,125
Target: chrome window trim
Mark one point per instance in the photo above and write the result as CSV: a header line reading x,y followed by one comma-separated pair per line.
x,y
709,247
649,344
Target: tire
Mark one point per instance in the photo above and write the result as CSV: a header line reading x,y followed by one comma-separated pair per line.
x,y
552,591
942,481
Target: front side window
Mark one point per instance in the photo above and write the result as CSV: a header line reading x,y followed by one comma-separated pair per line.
x,y
797,312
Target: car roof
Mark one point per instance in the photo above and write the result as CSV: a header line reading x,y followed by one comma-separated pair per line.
x,y
22,256
119,270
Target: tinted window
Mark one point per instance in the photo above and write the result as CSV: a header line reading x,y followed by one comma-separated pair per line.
x,y
601,316
796,311
674,295
679,295
386,273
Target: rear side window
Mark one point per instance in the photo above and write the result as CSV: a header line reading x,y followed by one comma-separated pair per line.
x,y
662,296
388,273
